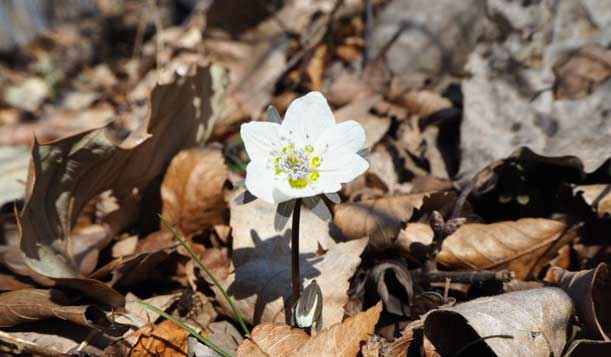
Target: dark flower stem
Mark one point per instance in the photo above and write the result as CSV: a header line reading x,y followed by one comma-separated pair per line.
x,y
295,275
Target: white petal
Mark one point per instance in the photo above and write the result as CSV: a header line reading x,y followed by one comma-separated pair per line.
x,y
260,138
308,117
343,138
341,167
260,182
308,191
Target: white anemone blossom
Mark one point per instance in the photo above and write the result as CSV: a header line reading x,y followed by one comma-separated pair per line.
x,y
306,155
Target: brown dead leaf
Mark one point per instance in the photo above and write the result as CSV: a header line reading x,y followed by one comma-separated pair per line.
x,y
66,174
316,67
523,323
27,305
591,292
260,283
581,72
166,339
192,190
597,196
341,339
359,110
424,102
381,219
523,246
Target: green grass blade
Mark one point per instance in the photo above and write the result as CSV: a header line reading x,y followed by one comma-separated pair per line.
x,y
186,245
194,333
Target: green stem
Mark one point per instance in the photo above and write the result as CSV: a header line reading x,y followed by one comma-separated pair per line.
x,y
236,312
194,333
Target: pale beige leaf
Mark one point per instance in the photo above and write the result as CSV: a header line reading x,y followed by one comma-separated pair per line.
x,y
523,323
261,282
523,246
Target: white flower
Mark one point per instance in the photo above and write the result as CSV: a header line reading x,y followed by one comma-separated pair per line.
x,y
308,154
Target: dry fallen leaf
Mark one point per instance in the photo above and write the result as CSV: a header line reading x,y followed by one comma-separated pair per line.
x,y
381,219
67,173
581,72
261,283
192,190
524,323
166,339
591,292
523,246
27,305
341,340
424,102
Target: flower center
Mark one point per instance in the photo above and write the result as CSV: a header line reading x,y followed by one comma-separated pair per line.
x,y
298,165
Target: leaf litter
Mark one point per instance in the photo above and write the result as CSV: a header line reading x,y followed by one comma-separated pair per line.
x,y
480,228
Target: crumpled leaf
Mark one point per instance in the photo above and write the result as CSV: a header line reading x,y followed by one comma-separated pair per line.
x,y
67,173
381,219
341,339
27,305
523,323
523,246
391,273
261,282
192,190
591,292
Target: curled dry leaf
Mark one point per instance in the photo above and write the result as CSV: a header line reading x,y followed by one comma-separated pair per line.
x,y
597,196
27,305
591,292
260,284
393,273
381,219
192,190
341,339
523,246
523,323
67,173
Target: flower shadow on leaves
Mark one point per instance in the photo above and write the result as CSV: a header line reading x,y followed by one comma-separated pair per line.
x,y
264,270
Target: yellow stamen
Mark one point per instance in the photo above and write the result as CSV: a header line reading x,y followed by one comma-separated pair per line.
x,y
298,183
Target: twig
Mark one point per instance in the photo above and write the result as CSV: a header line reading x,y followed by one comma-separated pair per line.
x,y
295,275
470,277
